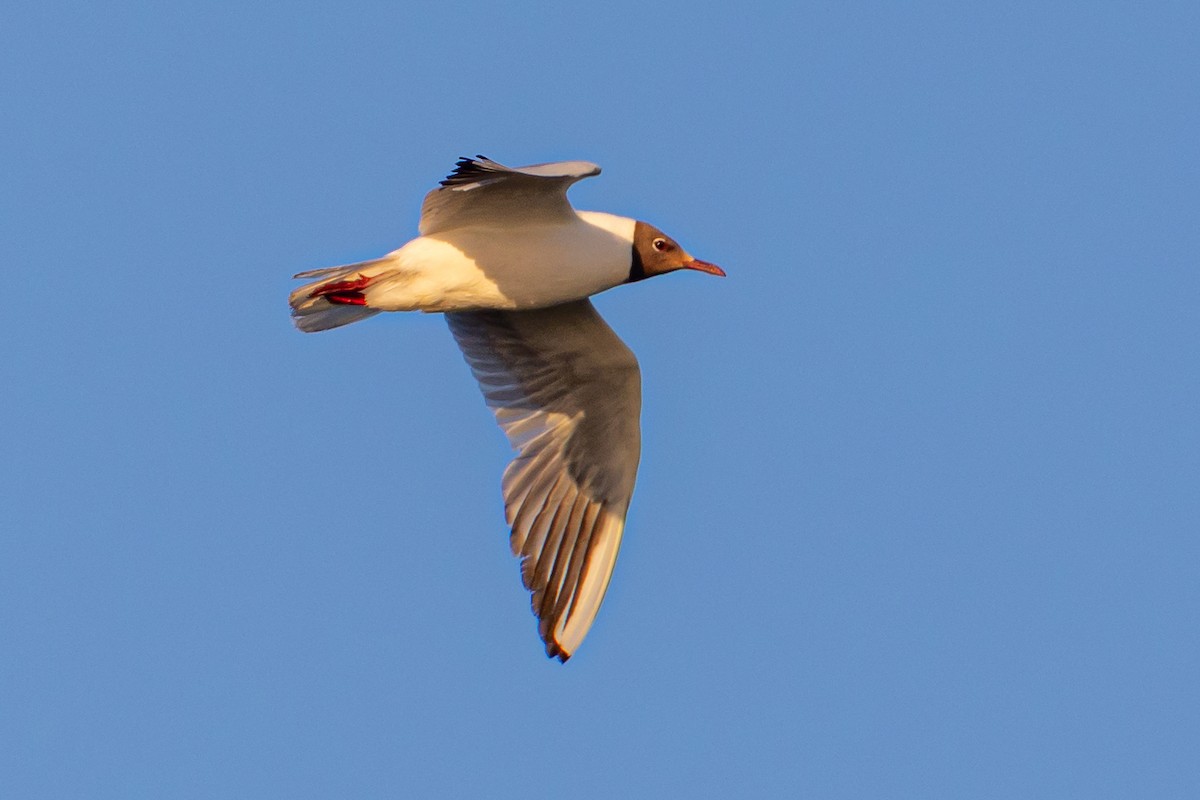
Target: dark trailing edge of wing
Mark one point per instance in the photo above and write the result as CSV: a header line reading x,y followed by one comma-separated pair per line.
x,y
470,170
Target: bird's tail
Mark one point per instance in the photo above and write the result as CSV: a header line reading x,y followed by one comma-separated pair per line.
x,y
335,299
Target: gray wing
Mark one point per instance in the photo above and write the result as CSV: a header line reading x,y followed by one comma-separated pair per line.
x,y
479,192
567,392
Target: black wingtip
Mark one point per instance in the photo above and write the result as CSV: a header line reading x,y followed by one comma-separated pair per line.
x,y
469,170
554,651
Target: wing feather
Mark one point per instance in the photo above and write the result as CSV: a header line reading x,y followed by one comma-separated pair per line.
x,y
567,393
482,192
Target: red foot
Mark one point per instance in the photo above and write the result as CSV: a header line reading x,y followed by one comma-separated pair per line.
x,y
346,298
343,293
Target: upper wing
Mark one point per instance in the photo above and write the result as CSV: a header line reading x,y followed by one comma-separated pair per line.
x,y
482,192
567,393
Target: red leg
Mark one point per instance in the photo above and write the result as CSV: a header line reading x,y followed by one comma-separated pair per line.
x,y
346,298
343,293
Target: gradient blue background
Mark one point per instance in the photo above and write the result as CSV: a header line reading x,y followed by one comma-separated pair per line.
x,y
918,507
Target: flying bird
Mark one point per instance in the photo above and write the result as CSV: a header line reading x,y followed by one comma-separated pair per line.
x,y
511,265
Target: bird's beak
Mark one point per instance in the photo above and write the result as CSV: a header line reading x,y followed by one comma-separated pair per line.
x,y
704,266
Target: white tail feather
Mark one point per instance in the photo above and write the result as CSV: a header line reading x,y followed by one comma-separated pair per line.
x,y
315,313
322,315
340,270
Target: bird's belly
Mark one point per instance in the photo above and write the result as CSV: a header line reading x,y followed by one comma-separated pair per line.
x,y
473,268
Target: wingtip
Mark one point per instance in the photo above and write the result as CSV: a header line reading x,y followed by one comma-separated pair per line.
x,y
554,650
468,170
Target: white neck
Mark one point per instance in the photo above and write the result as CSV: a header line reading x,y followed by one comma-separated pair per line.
x,y
617,226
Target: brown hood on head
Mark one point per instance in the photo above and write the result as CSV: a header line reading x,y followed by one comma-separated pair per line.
x,y
655,253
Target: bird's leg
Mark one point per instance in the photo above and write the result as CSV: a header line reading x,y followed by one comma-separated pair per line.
x,y
345,293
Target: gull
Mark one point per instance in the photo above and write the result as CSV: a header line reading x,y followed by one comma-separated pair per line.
x,y
511,265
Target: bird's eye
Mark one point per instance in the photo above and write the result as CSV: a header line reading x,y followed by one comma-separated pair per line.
x,y
661,244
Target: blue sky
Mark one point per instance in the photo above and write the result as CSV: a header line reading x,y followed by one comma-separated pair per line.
x,y
917,513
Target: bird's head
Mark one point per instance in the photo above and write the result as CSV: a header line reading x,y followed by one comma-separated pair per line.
x,y
655,253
